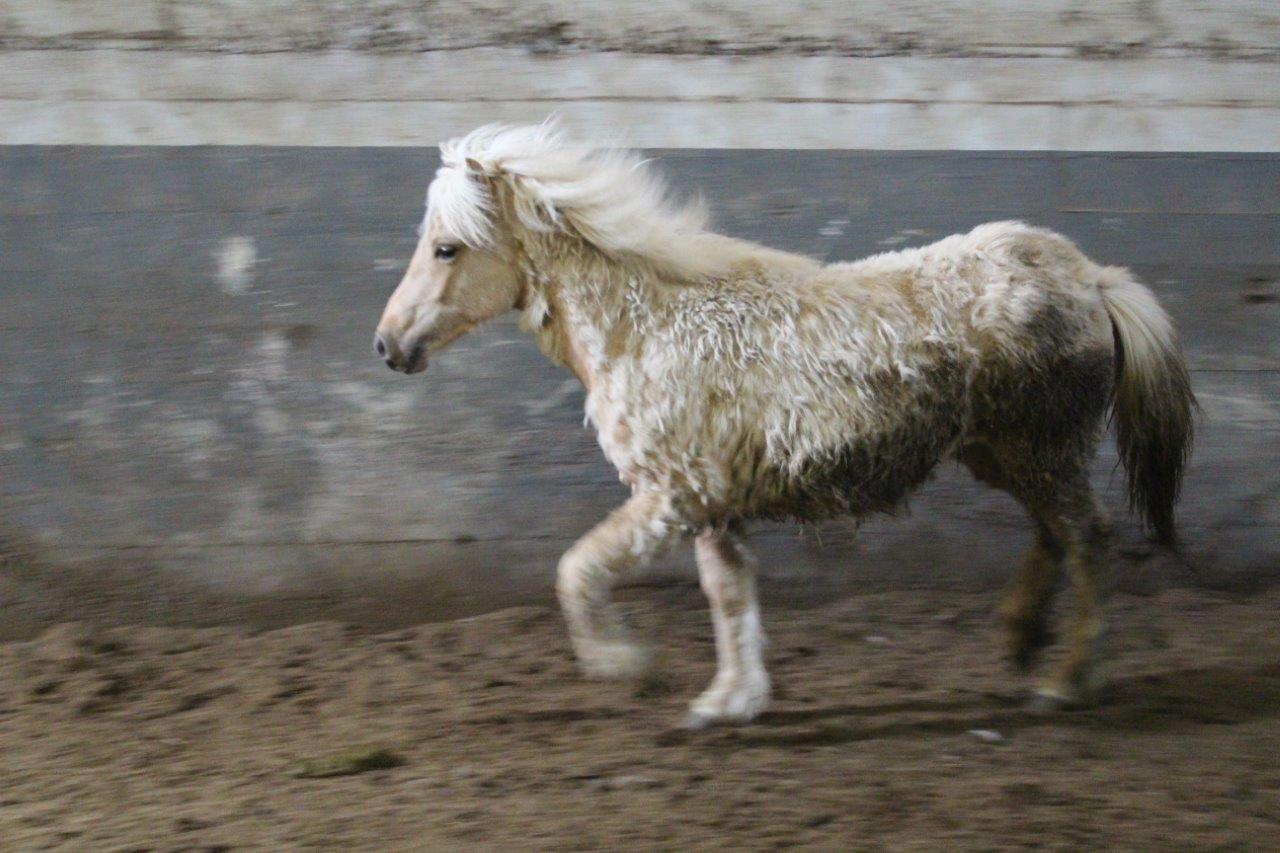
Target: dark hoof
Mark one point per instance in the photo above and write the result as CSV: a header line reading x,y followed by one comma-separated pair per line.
x,y
1050,701
1040,703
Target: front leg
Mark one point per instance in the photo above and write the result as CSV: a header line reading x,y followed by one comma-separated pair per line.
x,y
740,689
630,537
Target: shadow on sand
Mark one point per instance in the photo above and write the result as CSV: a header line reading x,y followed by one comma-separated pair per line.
x,y
1152,702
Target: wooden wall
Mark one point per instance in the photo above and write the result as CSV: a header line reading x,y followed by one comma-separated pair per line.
x,y
193,428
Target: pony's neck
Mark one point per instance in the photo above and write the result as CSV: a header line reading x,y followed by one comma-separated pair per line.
x,y
581,304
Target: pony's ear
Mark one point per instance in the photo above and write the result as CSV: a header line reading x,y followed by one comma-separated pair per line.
x,y
474,167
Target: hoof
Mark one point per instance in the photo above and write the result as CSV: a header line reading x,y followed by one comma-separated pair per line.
x,y
1050,699
1040,703
719,706
612,660
695,722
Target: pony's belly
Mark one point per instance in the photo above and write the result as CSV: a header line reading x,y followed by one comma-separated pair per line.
x,y
895,440
864,477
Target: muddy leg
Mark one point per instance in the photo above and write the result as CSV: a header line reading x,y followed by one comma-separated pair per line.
x,y
631,536
1025,609
1081,525
740,689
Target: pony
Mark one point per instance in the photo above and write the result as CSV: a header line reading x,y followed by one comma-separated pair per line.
x,y
729,382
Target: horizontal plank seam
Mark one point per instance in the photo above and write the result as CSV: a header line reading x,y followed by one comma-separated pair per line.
x,y
1106,52
1160,103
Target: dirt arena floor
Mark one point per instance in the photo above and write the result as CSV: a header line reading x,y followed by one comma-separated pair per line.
x,y
897,726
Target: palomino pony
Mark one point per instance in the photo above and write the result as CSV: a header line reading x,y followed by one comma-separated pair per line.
x,y
729,382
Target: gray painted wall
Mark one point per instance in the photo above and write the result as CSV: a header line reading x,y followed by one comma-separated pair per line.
x,y
192,427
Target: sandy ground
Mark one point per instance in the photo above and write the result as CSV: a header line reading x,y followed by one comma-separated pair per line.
x,y
897,727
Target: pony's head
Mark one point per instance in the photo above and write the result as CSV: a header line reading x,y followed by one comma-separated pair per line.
x,y
462,273
498,183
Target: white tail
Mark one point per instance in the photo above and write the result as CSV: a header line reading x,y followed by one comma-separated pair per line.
x,y
1153,399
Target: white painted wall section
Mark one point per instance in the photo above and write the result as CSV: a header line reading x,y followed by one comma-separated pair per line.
x,y
991,74
126,97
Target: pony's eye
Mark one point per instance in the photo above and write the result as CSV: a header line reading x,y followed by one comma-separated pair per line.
x,y
446,252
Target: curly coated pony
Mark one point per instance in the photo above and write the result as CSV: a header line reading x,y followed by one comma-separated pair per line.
x,y
729,382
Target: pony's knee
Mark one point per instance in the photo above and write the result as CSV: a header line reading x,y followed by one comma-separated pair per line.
x,y
597,631
576,577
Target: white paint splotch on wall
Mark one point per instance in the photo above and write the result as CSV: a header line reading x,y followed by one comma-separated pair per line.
x,y
235,257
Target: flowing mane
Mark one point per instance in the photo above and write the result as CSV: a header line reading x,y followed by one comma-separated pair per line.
x,y
607,197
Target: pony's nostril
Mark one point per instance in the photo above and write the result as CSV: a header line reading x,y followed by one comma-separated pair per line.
x,y
379,346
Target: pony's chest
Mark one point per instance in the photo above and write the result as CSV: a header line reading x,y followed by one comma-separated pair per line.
x,y
614,432
648,437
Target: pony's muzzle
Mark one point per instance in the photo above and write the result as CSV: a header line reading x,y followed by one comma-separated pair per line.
x,y
413,361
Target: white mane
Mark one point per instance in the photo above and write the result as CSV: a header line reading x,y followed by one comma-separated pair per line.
x,y
605,196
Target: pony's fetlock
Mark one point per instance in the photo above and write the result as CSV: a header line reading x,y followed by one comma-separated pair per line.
x,y
1076,685
611,659
1027,634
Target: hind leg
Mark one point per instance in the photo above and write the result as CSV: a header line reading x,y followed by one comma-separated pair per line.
x,y
1024,612
1025,609
1079,523
1073,533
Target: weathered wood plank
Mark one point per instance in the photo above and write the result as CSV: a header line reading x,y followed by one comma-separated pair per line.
x,y
999,27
